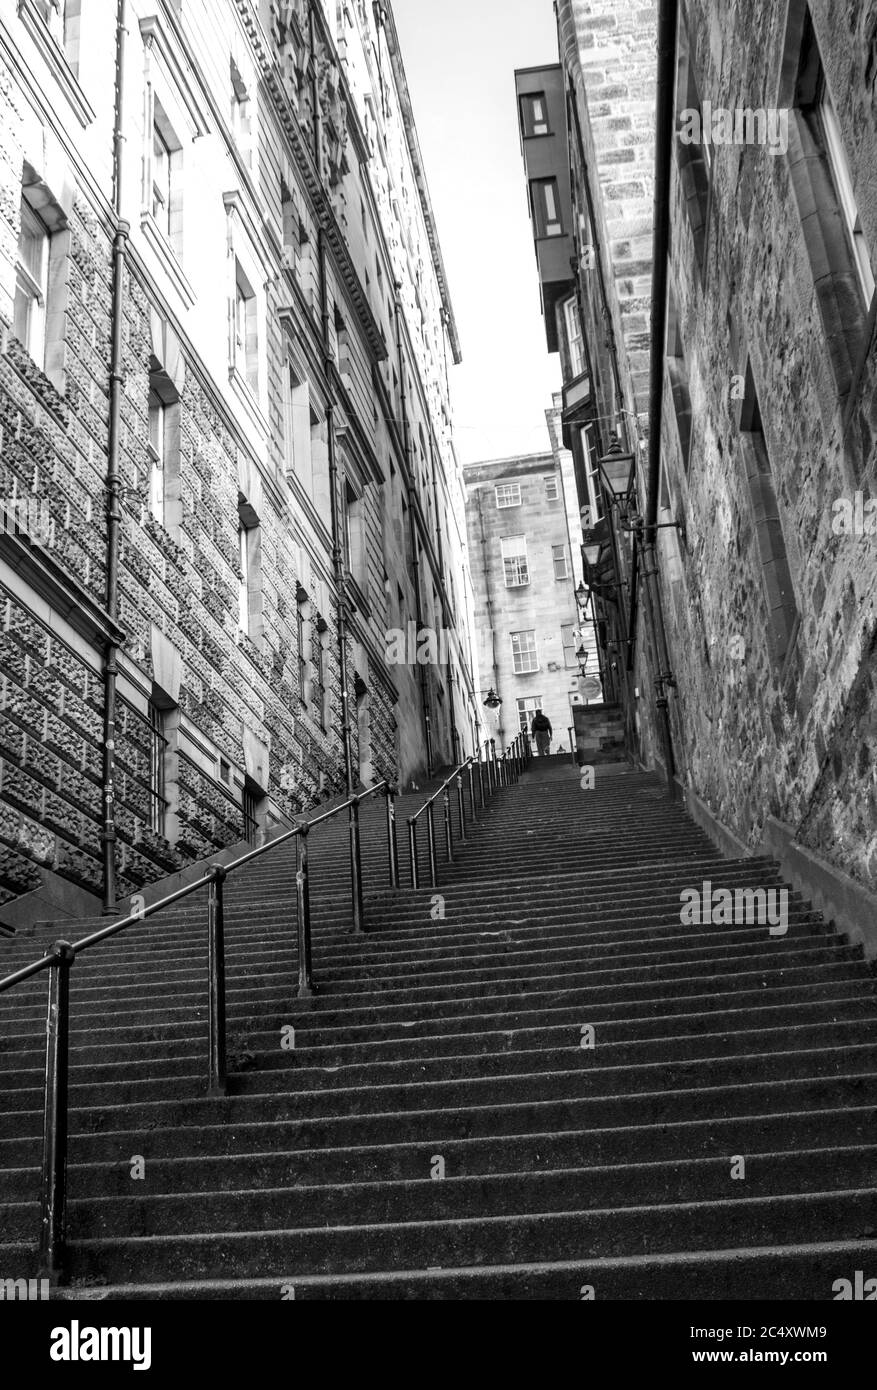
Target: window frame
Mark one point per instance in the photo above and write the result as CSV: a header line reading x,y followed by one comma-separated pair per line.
x,y
514,489
515,557
552,488
547,228
531,650
564,558
30,289
529,121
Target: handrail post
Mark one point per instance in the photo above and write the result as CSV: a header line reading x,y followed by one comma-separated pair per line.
x,y
216,1077
481,778
430,839
470,777
412,851
356,867
449,847
303,901
461,806
392,846
493,763
53,1204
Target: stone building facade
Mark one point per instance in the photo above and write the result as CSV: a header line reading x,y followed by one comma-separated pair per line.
x,y
768,430
276,455
524,578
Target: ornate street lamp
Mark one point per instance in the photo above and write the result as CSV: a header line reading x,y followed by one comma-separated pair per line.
x,y
617,469
492,701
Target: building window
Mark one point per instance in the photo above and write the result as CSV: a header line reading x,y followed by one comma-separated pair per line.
x,y
246,334
534,114
508,495
250,809
846,197
575,340
250,565
568,638
678,373
592,478
354,516
822,181
318,669
156,451
524,652
157,751
551,491
514,560
302,658
775,572
62,18
296,423
166,199
546,207
559,560
241,114
692,150
31,284
527,708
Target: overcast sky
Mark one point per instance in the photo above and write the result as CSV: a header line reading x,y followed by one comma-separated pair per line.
x,y
460,57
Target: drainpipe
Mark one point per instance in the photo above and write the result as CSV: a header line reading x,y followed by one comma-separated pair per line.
x,y
488,597
449,674
415,562
342,612
664,680
113,486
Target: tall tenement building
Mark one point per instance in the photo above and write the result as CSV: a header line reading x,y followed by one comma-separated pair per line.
x,y
532,650
228,471
724,436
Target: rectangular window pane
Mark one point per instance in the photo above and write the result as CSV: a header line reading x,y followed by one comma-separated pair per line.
x,y
551,493
524,652
558,557
508,494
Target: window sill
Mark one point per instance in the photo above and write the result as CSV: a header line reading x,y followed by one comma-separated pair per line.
x,y
244,394
159,244
53,56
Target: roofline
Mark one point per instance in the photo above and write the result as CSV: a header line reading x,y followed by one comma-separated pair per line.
x,y
420,177
511,458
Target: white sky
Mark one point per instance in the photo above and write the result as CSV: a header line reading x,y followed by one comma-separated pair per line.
x,y
460,57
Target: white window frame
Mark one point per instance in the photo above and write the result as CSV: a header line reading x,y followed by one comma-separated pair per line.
x,y
535,124
514,552
562,557
31,291
546,207
843,183
157,438
507,495
571,647
552,490
575,337
519,652
246,330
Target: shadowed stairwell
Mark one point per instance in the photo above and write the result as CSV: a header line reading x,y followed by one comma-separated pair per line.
x,y
530,1079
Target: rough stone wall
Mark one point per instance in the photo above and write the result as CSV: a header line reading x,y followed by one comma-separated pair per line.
x,y
796,741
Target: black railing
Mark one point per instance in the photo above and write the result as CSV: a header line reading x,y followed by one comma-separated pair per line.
x,y
488,771
59,959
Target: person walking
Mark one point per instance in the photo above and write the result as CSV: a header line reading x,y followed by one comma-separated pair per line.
x,y
541,731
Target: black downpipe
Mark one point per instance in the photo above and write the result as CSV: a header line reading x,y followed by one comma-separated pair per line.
x,y
667,24
415,562
113,514
456,752
337,549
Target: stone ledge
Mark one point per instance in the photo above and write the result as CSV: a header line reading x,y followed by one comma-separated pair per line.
x,y
849,905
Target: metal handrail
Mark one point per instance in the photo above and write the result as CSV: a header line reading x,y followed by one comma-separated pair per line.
x,y
59,959
500,771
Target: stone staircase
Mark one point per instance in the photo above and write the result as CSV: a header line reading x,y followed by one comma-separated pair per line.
x,y
440,1130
